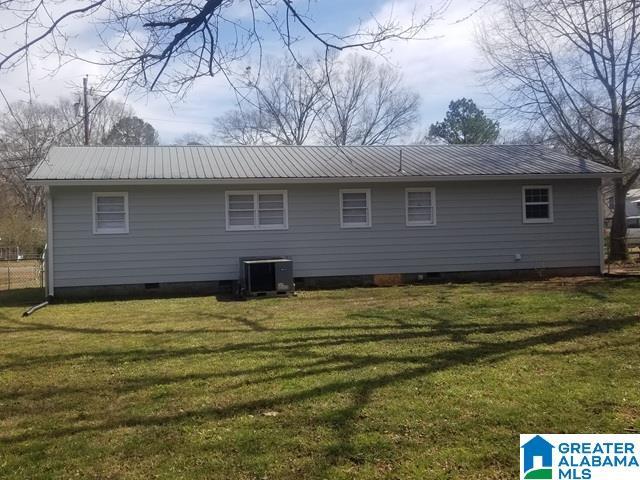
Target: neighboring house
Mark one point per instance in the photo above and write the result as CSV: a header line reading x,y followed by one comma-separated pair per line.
x,y
633,202
632,207
122,219
8,253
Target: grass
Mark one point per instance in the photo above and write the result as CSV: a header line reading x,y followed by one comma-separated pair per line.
x,y
424,382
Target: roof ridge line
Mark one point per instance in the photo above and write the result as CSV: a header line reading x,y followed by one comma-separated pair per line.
x,y
404,145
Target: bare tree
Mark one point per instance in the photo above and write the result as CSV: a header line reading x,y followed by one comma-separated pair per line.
x,y
193,138
536,134
575,66
27,132
284,106
101,120
18,229
367,104
350,102
165,45
246,126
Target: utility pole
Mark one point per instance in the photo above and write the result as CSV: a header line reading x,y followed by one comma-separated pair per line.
x,y
86,109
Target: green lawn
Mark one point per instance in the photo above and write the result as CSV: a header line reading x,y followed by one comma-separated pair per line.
x,y
423,382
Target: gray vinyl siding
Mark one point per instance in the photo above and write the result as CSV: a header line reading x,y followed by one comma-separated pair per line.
x,y
177,233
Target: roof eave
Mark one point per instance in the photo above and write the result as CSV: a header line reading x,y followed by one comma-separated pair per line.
x,y
289,180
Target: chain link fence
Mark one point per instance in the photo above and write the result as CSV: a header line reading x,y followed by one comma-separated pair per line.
x,y
28,272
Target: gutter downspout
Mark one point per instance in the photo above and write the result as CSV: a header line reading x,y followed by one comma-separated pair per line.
x,y
35,308
49,266
601,226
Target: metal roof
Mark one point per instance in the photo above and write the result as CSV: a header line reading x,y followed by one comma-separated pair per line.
x,y
218,163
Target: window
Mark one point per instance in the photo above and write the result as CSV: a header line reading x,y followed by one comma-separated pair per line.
x,y
537,204
633,222
260,210
355,208
110,213
420,206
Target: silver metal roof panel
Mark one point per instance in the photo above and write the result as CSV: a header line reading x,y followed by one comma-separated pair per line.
x,y
200,163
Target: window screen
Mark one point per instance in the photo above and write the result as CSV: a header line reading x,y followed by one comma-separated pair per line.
x,y
110,213
420,206
256,210
355,208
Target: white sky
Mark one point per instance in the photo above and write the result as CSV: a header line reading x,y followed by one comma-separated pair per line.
x,y
440,69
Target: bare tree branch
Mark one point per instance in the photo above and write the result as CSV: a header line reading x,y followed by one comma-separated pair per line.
x,y
368,104
165,46
288,99
348,102
29,130
573,65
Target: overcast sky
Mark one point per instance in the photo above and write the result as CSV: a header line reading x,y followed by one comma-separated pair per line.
x,y
440,69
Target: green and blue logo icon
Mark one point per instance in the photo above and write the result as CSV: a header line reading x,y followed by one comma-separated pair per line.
x,y
579,456
537,459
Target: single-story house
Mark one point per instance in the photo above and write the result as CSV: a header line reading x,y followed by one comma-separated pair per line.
x,y
122,219
632,203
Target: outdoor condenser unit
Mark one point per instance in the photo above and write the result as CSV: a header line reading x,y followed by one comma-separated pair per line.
x,y
261,276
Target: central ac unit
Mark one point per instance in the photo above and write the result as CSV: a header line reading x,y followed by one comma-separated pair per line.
x,y
261,276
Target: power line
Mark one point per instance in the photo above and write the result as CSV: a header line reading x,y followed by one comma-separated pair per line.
x,y
177,120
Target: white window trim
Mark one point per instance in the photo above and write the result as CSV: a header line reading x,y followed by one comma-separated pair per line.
x,y
111,231
432,223
368,196
256,225
524,205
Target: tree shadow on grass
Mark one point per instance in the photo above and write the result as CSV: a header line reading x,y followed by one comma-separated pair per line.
x,y
22,297
300,353
410,367
247,324
425,331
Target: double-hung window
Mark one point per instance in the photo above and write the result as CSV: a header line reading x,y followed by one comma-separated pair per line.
x,y
420,206
257,210
110,213
537,204
355,208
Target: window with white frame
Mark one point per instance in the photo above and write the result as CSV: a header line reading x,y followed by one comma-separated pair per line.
x,y
257,210
537,204
420,206
110,213
355,208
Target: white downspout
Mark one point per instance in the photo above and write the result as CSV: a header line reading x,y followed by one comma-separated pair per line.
x,y
50,286
601,226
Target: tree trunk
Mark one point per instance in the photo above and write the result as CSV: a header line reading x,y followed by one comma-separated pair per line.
x,y
618,243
